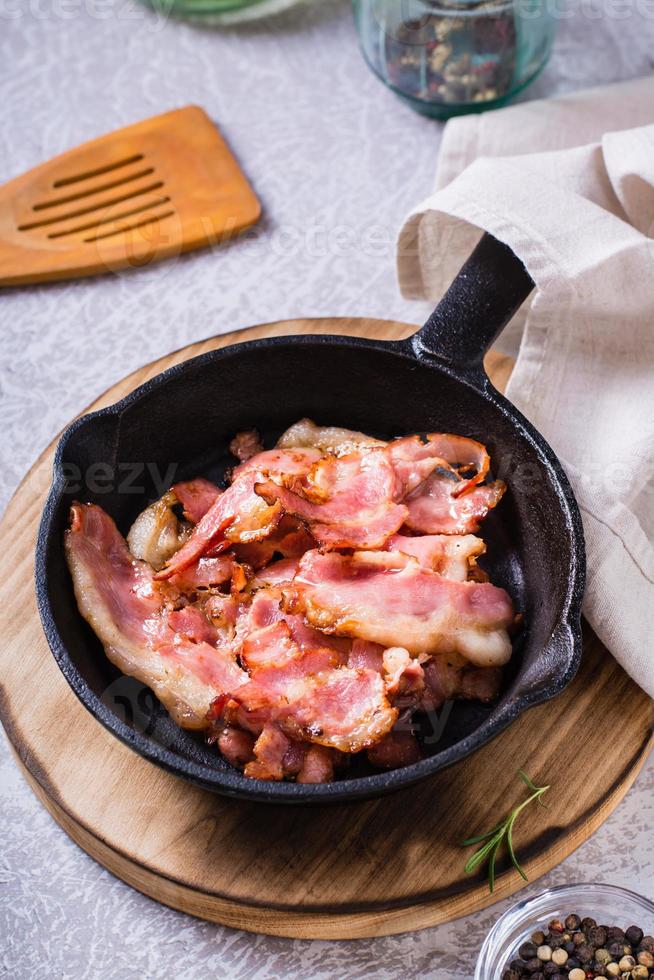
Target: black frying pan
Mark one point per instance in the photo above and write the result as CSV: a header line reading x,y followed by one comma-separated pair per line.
x,y
432,382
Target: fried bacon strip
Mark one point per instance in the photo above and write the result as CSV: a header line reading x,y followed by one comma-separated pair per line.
x,y
390,599
451,555
353,501
442,506
196,497
116,595
239,515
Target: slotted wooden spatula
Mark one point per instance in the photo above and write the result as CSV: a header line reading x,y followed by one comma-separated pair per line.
x,y
152,190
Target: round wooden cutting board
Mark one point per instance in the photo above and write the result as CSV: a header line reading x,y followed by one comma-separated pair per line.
x,y
368,869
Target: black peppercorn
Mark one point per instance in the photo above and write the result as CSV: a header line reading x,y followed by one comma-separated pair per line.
x,y
598,936
518,965
527,951
615,934
579,938
510,975
550,969
588,924
616,949
584,954
533,965
633,935
572,923
572,964
647,942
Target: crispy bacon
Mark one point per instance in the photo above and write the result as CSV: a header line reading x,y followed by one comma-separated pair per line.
x,y
467,457
196,497
115,594
395,750
446,679
317,765
269,751
277,573
290,539
451,555
245,445
204,573
326,438
348,501
236,746
239,515
440,505
389,599
307,695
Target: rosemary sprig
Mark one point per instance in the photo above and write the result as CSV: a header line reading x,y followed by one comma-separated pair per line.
x,y
502,833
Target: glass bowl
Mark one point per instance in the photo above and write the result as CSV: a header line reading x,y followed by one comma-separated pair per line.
x,y
449,57
608,904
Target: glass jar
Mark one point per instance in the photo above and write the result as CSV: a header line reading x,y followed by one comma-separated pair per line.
x,y
221,12
607,904
448,57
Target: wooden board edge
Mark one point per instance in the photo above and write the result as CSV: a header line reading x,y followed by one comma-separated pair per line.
x,y
312,925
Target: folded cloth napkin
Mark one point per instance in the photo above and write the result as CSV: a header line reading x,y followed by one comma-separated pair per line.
x,y
575,201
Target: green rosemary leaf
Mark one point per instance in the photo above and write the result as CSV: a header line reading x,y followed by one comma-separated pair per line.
x,y
527,781
511,850
479,856
491,867
480,837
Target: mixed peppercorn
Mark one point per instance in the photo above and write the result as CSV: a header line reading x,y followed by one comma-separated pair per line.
x,y
442,58
580,949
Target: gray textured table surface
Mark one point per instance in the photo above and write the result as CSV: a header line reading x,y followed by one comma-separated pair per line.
x,y
337,162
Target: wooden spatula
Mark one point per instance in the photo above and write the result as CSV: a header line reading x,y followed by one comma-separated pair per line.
x,y
152,190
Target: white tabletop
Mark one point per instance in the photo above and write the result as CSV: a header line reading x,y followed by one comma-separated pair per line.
x,y
337,162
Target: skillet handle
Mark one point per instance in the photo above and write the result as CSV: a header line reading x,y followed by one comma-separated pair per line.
x,y
488,290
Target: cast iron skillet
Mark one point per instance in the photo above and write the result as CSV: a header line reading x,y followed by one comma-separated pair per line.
x,y
432,382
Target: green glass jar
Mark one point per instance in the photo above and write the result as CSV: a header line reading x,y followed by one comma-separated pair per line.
x,y
448,57
221,12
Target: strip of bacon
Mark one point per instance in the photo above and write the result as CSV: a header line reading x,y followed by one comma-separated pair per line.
x,y
205,573
450,555
468,457
115,594
348,501
196,497
389,599
440,507
239,515
326,438
277,573
307,695
290,539
269,752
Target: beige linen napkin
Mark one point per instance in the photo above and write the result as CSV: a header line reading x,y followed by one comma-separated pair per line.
x,y
575,200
